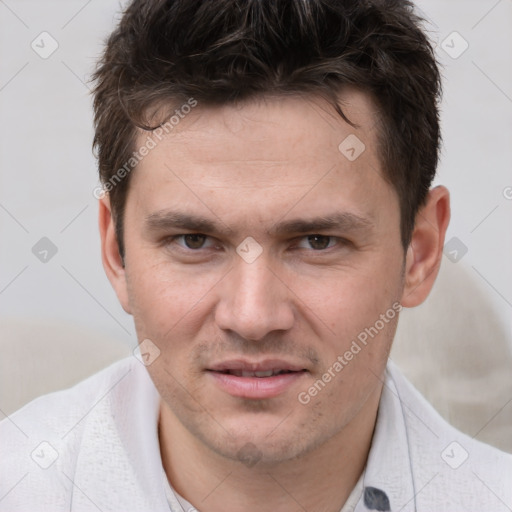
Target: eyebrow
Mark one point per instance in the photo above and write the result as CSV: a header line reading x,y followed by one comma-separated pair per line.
x,y
344,221
172,219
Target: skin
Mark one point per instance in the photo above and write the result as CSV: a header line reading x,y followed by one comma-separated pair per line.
x,y
303,300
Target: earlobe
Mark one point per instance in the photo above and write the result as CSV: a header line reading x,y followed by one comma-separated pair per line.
x,y
425,251
112,262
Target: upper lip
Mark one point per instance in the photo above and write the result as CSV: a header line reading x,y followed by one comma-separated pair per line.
x,y
256,366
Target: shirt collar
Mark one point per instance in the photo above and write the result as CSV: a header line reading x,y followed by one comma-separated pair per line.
x,y
388,479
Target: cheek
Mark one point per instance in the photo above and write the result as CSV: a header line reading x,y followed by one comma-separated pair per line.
x,y
165,301
352,297
348,311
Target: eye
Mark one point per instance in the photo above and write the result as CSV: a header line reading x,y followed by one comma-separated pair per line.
x,y
318,242
193,241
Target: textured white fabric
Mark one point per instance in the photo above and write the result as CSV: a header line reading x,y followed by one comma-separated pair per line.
x,y
99,444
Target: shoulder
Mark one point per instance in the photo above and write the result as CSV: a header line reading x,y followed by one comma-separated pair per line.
x,y
43,441
455,469
56,411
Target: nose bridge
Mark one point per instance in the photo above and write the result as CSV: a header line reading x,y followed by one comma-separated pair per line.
x,y
254,301
256,285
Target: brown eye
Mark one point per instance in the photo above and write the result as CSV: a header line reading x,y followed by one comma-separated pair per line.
x,y
194,240
189,243
319,242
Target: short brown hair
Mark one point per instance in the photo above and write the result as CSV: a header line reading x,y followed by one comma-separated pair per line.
x,y
165,52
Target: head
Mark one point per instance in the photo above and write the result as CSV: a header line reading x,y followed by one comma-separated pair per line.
x,y
268,167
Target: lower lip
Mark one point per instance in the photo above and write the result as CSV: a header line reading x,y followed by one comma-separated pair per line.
x,y
256,387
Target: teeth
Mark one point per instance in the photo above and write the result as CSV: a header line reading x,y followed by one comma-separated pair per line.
x,y
266,373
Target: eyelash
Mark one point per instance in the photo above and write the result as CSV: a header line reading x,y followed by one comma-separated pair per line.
x,y
340,241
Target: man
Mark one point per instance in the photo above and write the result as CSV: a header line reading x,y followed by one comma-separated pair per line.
x,y
266,213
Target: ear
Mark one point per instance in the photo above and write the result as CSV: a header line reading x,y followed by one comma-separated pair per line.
x,y
112,262
425,251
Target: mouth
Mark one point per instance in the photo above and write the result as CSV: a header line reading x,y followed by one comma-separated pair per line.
x,y
256,380
259,375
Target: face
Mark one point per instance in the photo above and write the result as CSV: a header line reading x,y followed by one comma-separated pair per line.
x,y
257,254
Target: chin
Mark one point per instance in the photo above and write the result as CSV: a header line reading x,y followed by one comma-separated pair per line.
x,y
261,451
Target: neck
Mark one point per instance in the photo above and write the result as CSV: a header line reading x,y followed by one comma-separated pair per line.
x,y
320,480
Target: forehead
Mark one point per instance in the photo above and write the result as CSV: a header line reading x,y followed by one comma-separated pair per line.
x,y
273,152
273,128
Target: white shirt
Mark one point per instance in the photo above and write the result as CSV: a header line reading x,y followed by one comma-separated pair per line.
x,y
178,503
95,446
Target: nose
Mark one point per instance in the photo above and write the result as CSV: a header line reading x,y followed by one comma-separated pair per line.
x,y
254,301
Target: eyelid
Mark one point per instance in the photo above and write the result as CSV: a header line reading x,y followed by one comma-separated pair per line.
x,y
338,241
168,240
